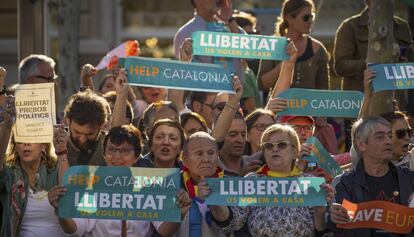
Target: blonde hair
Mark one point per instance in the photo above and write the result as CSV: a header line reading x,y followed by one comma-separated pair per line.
x,y
12,158
282,128
290,8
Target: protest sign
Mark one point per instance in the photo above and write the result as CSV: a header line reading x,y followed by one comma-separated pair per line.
x,y
177,75
221,44
393,76
322,103
121,193
266,191
35,113
383,215
321,156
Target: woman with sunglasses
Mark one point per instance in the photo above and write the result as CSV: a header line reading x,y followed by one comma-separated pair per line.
x,y
402,133
311,68
280,146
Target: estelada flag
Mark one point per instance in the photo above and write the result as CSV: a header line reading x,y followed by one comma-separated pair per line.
x,y
128,48
383,215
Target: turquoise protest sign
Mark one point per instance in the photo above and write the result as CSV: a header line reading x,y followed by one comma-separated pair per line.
x,y
322,157
266,191
322,103
177,75
122,193
398,76
221,44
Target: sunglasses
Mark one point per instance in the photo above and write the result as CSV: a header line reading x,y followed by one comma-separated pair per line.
x,y
280,145
49,79
401,133
307,17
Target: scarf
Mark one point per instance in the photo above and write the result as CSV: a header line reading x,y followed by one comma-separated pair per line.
x,y
195,217
189,185
264,170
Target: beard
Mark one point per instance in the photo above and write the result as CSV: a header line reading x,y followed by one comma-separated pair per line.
x,y
83,146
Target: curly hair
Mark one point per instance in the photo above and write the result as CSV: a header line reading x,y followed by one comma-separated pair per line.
x,y
87,107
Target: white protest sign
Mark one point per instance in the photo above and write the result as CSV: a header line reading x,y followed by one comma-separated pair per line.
x,y
35,113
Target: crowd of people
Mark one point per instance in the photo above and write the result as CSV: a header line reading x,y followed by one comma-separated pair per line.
x,y
221,135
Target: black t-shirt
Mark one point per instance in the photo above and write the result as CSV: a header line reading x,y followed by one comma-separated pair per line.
x,y
384,188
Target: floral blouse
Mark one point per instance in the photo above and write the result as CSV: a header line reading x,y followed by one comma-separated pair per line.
x,y
271,221
14,190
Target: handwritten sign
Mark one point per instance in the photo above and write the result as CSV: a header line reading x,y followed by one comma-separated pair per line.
x,y
35,113
121,193
396,76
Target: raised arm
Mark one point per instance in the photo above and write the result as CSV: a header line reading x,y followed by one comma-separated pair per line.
x,y
223,123
3,74
286,72
122,90
368,78
87,73
8,115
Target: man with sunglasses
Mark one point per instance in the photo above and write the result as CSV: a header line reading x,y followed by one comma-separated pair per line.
x,y
37,68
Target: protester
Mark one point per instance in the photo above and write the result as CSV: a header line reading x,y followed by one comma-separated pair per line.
x,y
85,114
257,122
202,103
280,146
192,123
27,174
122,147
165,142
372,140
37,68
200,158
205,12
311,68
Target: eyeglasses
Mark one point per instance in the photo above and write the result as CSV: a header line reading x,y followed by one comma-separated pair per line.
x,y
220,106
110,150
281,145
49,79
401,133
208,105
300,128
307,17
261,126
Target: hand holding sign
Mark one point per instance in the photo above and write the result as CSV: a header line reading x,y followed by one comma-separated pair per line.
x,y
292,51
338,213
368,78
183,202
203,189
186,50
225,10
54,194
277,104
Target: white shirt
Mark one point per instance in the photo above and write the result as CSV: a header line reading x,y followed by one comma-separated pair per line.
x,y
39,219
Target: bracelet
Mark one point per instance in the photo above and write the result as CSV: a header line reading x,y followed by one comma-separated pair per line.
x,y
230,107
59,153
2,92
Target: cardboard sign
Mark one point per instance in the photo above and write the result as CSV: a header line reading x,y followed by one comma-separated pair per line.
x,y
35,113
121,193
322,103
383,215
233,45
266,191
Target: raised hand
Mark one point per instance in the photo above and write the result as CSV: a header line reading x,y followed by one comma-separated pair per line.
x,y
368,79
60,138
184,201
121,85
277,104
292,51
225,10
186,50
